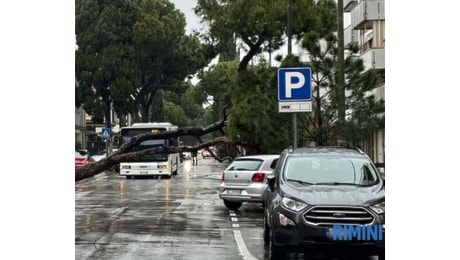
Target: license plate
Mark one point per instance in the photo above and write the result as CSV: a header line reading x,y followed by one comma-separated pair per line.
x,y
234,192
143,172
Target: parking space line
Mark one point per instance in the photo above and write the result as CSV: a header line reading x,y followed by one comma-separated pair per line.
x,y
239,238
242,247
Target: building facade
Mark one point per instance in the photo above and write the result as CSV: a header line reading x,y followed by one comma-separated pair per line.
x,y
367,30
80,128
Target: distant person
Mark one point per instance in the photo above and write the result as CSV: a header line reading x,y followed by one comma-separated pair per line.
x,y
194,157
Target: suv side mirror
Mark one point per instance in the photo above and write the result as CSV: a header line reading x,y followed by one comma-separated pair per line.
x,y
273,164
271,179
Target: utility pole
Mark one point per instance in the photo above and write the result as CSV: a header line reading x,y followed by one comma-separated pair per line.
x,y
289,35
340,70
108,119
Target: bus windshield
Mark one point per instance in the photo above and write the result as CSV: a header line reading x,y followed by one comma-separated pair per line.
x,y
127,134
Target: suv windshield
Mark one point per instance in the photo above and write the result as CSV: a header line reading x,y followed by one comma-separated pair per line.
x,y
330,171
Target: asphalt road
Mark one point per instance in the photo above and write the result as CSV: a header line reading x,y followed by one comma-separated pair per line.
x,y
177,218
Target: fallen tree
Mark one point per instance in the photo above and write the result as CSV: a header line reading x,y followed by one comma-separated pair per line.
x,y
124,154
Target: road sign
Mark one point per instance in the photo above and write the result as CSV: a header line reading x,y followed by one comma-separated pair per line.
x,y
294,84
106,132
290,107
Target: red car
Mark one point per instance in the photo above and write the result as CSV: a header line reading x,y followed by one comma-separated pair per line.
x,y
82,159
205,153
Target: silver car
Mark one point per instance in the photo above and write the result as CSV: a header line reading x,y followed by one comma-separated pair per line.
x,y
244,180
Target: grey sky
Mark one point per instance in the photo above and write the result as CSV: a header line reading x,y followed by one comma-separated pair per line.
x,y
186,6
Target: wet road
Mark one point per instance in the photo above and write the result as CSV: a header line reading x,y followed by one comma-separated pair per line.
x,y
177,218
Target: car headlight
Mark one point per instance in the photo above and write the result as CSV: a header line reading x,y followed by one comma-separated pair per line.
x,y
293,204
164,166
379,208
125,167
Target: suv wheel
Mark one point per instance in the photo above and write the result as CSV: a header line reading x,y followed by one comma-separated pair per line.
x,y
266,230
233,205
274,251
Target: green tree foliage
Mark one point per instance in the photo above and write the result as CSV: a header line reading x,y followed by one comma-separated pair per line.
x,y
364,113
191,101
129,50
217,83
259,25
165,54
254,117
105,54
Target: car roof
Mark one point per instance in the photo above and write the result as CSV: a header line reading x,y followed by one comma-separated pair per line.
x,y
332,151
259,156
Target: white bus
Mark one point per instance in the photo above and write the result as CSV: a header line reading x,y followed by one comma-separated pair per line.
x,y
152,164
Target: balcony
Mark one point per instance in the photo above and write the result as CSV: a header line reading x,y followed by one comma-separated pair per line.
x,y
379,92
366,12
350,36
374,58
348,5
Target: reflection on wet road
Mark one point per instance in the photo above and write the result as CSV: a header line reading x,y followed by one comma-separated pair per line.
x,y
177,218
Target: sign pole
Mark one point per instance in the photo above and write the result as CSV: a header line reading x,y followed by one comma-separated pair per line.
x,y
289,31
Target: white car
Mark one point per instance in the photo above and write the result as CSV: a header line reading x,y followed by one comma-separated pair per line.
x,y
244,180
101,155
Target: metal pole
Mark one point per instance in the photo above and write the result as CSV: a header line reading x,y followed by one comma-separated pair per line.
x,y
289,35
340,70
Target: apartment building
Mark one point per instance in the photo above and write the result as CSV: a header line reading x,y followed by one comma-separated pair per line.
x,y
80,128
367,30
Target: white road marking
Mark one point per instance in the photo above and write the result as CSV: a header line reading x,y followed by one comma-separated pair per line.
x,y
239,239
242,247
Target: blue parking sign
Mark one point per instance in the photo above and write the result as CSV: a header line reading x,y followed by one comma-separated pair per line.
x,y
294,84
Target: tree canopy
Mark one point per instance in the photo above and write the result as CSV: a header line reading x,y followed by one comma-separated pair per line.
x,y
128,51
152,56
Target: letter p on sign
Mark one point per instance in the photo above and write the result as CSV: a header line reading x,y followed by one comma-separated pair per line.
x,y
289,82
294,84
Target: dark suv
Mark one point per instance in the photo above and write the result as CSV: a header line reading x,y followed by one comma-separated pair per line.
x,y
324,198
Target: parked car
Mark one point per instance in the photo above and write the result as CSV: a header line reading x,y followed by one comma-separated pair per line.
x,y
205,153
82,159
101,155
314,190
244,180
186,155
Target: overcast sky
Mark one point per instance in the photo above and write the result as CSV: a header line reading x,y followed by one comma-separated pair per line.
x,y
186,6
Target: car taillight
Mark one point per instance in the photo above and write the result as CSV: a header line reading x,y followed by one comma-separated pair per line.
x,y
258,177
223,176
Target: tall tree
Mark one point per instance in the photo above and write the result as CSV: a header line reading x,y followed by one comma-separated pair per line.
x,y
363,111
165,54
260,25
105,53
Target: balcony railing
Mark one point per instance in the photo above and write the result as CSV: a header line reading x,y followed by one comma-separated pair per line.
x,y
350,36
348,5
367,11
374,58
379,92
